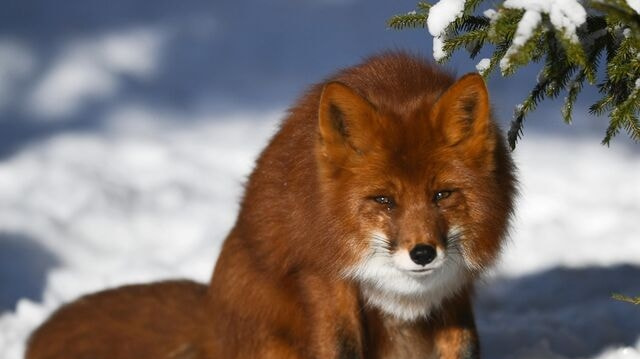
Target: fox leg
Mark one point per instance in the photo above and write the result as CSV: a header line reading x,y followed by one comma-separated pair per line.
x,y
458,338
457,343
276,349
333,308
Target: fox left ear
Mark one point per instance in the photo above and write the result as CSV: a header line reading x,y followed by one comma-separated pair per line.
x,y
346,122
462,114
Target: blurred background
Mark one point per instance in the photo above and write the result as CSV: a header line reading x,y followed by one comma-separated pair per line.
x,y
128,127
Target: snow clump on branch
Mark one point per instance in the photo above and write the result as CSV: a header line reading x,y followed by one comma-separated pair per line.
x,y
635,5
441,15
565,15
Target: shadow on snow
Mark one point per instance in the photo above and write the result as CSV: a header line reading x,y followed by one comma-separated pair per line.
x,y
23,269
566,311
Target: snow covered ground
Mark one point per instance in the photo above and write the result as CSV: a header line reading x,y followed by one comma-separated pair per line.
x,y
144,199
126,133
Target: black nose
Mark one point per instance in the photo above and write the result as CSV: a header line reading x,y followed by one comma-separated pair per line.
x,y
423,254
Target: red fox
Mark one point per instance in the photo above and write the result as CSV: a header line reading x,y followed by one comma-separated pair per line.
x,y
387,190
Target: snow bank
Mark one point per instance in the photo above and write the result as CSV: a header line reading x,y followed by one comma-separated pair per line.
x,y
578,208
152,196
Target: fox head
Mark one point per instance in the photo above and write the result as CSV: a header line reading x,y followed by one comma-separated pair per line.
x,y
425,194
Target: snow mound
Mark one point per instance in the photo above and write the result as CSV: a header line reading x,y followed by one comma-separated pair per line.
x,y
152,195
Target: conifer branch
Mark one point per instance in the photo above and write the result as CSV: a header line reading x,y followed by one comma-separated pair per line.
x,y
409,20
572,54
574,89
624,298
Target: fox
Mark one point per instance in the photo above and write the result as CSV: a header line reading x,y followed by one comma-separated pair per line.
x,y
385,194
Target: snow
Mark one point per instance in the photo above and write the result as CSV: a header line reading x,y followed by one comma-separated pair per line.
x,y
141,201
441,14
144,200
483,65
635,5
90,69
115,166
438,48
524,31
621,353
490,14
565,15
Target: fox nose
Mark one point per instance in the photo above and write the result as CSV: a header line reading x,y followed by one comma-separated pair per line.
x,y
423,254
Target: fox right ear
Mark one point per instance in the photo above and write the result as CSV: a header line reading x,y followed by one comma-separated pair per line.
x,y
344,120
462,114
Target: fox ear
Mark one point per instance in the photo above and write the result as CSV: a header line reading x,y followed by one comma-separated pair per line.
x,y
462,114
345,120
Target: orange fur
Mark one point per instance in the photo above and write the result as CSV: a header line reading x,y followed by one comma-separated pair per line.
x,y
377,161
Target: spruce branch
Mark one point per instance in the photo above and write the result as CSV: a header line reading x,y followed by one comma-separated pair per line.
x,y
498,54
409,20
606,40
412,19
574,89
472,38
624,298
423,6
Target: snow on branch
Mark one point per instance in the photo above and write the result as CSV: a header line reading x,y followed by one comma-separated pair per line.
x,y
564,15
569,37
634,4
440,18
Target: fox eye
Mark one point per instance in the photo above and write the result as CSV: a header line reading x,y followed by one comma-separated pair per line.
x,y
385,201
440,195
